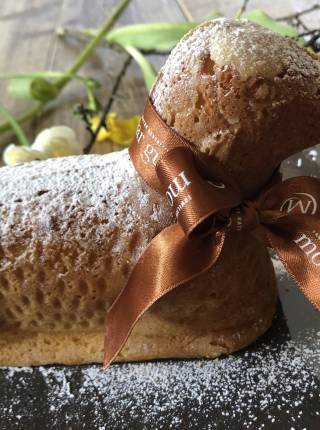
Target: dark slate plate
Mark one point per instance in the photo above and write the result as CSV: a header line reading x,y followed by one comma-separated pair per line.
x,y
274,384
266,387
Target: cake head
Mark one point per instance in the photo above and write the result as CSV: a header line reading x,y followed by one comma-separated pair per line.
x,y
242,93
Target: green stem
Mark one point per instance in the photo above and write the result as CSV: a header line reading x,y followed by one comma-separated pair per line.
x,y
82,58
93,43
15,126
22,118
148,71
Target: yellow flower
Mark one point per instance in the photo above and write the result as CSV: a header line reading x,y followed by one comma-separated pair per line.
x,y
14,154
118,131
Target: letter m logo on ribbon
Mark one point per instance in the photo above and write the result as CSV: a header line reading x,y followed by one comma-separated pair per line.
x,y
303,203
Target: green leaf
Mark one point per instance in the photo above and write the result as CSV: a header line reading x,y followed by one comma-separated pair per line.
x,y
153,36
91,83
93,103
148,71
213,15
49,74
22,139
260,17
22,84
42,90
20,88
34,85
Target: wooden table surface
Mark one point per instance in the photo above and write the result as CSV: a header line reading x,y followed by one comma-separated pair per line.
x,y
29,42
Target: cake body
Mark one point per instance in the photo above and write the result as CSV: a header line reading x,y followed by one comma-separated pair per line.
x,y
71,230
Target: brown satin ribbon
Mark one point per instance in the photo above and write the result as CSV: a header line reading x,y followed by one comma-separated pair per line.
x,y
208,205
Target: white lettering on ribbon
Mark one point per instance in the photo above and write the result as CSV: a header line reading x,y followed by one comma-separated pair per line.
x,y
139,133
182,204
309,248
179,184
220,185
150,152
304,202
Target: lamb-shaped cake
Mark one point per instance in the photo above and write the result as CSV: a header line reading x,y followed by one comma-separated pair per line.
x,y
72,229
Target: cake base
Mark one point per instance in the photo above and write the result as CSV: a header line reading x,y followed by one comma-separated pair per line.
x,y
32,349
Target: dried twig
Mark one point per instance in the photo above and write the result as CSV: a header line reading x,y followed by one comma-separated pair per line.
x,y
185,10
243,7
309,32
85,114
313,42
301,24
312,35
108,105
299,14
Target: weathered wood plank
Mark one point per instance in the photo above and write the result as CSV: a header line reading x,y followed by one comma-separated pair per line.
x,y
132,94
104,65
32,44
41,49
27,29
197,10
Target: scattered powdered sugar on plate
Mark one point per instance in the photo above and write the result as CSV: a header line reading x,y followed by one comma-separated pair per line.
x,y
268,386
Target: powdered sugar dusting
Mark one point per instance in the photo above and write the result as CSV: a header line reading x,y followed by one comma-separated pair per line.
x,y
268,385
250,48
254,50
36,191
78,199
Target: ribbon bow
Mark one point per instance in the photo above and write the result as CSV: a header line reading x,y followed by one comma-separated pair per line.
x,y
209,205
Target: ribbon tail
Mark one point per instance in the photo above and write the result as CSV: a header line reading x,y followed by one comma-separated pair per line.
x,y
169,261
296,240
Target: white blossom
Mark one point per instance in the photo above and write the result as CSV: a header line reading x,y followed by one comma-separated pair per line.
x,y
58,141
14,154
